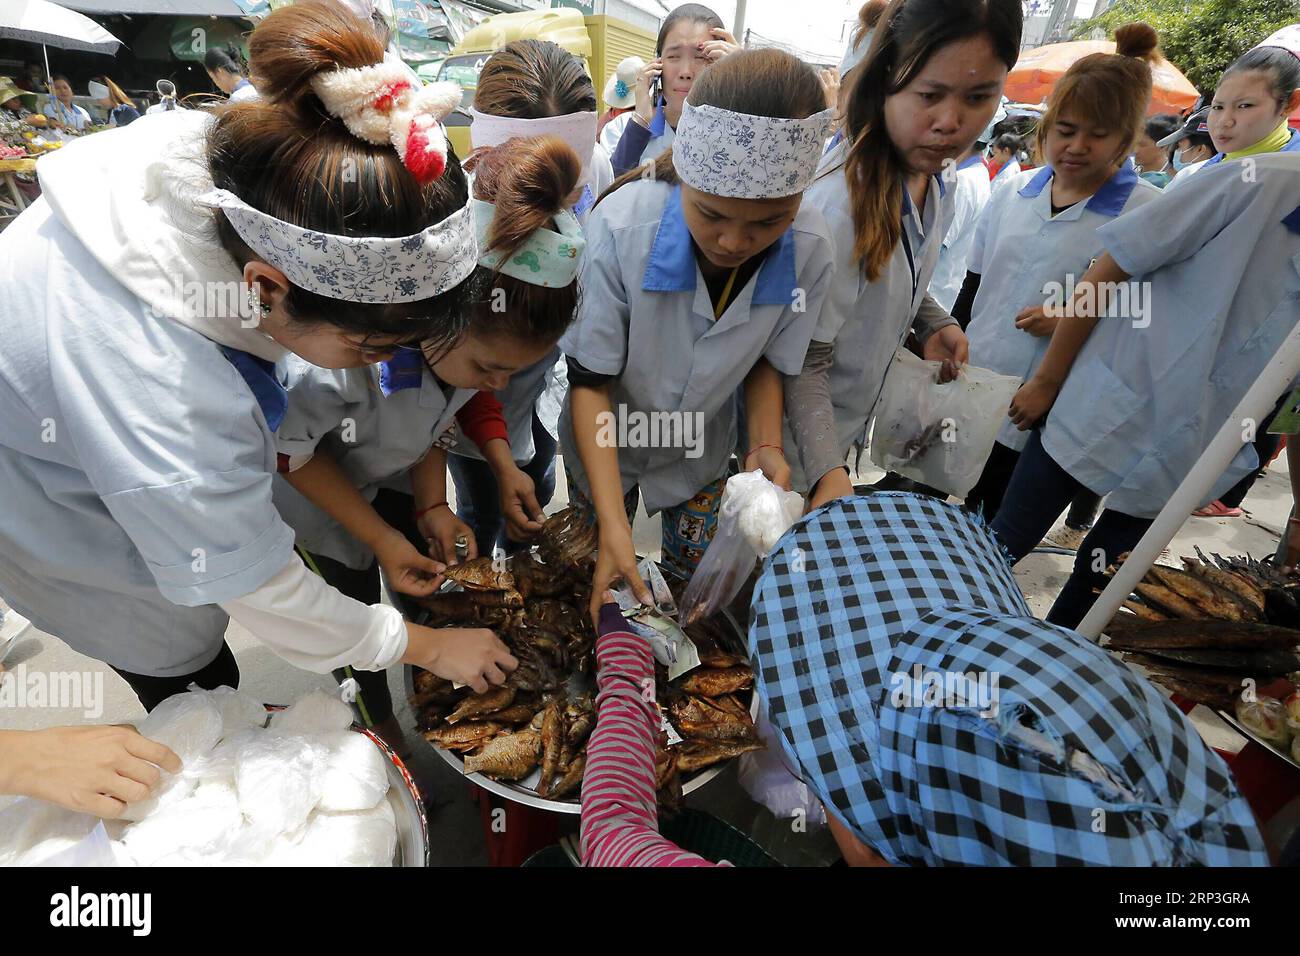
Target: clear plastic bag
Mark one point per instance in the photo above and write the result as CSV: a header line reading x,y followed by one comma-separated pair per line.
x,y
767,778
937,433
752,516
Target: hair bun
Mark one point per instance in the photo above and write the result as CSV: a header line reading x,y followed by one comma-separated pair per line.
x,y
1138,40
297,42
529,180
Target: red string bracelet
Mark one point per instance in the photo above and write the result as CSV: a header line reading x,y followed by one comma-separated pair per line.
x,y
433,507
764,445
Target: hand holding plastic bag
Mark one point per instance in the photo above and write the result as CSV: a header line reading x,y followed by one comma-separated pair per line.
x,y
753,515
937,433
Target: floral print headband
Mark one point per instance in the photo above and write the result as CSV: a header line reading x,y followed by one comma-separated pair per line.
x,y
743,156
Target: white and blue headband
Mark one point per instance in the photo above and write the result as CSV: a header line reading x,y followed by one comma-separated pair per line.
x,y
743,156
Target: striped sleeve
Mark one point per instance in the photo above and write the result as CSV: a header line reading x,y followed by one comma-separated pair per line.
x,y
619,815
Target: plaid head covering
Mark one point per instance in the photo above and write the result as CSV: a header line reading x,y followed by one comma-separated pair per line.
x,y
943,724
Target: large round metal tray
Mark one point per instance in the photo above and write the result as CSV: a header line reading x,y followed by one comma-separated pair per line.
x,y
524,791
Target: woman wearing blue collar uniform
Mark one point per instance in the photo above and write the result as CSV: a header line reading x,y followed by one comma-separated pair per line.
x,y
1039,237
703,275
1140,376
692,37
138,398
364,450
527,89
888,207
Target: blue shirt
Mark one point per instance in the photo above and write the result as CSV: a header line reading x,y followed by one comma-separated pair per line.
x,y
646,317
136,463
1025,255
1219,267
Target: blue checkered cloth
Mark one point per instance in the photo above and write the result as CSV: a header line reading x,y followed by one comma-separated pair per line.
x,y
943,723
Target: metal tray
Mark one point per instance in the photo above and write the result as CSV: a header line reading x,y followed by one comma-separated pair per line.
x,y
523,791
1231,720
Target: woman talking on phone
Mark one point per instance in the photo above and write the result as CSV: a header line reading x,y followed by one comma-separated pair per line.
x,y
691,38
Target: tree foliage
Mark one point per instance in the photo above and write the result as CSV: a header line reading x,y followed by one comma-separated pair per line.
x,y
1200,37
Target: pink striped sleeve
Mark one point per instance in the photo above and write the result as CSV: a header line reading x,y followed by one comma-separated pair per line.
x,y
619,816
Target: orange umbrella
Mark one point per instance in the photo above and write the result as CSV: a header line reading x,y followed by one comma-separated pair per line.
x,y
1037,71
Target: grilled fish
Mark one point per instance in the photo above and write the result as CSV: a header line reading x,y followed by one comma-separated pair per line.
x,y
1167,601
1268,663
465,736
552,743
478,705
697,754
1209,599
1218,635
572,779
480,575
1243,589
508,757
716,681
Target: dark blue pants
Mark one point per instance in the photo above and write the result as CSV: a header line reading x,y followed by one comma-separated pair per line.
x,y
1039,491
478,500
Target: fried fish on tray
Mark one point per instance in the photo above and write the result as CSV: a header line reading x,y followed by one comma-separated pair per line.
x,y
571,782
479,705
699,718
552,744
567,539
536,580
466,736
697,754
716,681
507,757
480,575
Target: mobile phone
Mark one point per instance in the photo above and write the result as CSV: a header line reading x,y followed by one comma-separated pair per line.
x,y
655,87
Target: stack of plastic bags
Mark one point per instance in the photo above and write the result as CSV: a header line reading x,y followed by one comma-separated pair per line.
x,y
303,791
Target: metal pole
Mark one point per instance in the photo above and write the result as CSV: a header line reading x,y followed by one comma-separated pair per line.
x,y
1253,407
739,26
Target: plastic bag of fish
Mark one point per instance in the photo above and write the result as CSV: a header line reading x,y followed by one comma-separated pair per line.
x,y
304,791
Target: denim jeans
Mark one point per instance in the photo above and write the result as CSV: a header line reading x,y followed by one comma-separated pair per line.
x,y
1039,491
478,501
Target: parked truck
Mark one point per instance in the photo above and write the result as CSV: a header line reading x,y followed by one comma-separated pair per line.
x,y
599,40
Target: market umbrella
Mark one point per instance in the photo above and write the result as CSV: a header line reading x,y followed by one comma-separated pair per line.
x,y
39,21
1037,70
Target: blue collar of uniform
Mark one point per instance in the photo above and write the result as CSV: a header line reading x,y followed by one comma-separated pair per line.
x,y
403,370
585,201
1109,200
243,82
259,375
969,162
658,121
671,266
907,197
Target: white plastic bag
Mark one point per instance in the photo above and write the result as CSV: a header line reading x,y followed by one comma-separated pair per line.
x,y
278,780
316,713
32,831
191,725
354,775
936,433
767,778
204,824
752,516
